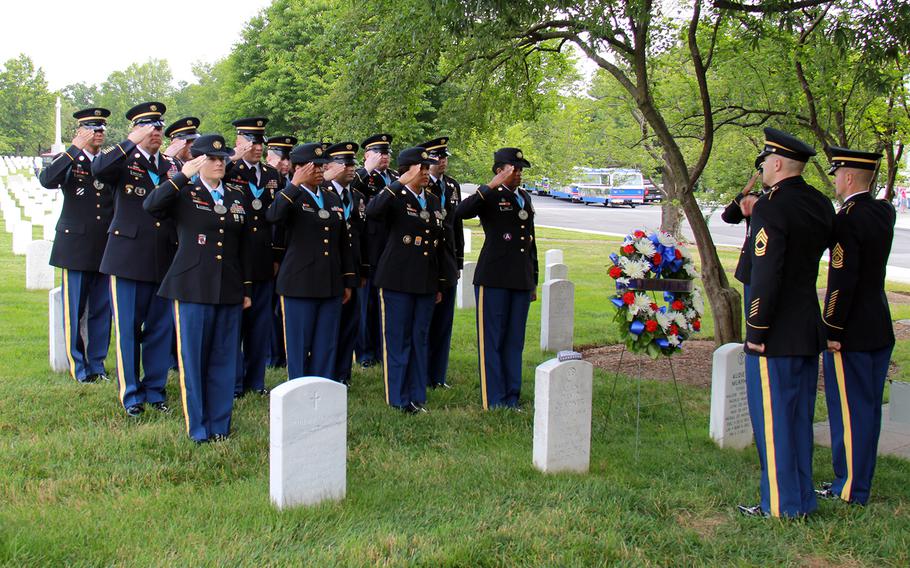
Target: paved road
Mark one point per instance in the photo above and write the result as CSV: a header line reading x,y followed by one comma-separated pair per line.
x,y
555,213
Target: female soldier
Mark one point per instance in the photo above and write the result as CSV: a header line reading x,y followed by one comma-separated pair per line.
x,y
317,273
206,284
408,277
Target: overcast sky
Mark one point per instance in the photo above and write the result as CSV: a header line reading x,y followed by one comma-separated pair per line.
x,y
60,36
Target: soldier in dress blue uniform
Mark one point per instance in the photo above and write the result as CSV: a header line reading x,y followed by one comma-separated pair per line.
x,y
370,180
207,285
278,156
505,282
338,176
791,228
739,210
138,254
449,193
317,274
408,277
181,133
259,183
858,322
79,244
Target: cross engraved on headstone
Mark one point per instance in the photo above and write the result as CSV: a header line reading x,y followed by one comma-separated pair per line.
x,y
315,399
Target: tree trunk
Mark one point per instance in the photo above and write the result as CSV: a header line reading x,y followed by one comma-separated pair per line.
x,y
726,302
670,215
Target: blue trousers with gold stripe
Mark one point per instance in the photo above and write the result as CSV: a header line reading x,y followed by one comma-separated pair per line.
x,y
145,329
255,339
440,339
88,294
502,315
781,395
207,339
405,327
347,336
311,335
854,385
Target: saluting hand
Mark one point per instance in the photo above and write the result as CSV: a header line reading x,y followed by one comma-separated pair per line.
x,y
371,159
500,178
410,175
241,147
746,204
331,171
192,167
175,147
139,133
751,183
303,173
83,137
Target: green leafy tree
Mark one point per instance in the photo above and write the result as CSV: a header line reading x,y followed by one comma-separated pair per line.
x,y
27,120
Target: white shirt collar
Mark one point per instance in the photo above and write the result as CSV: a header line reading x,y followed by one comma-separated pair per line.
x,y
434,178
250,165
416,196
211,189
854,195
338,187
146,155
89,154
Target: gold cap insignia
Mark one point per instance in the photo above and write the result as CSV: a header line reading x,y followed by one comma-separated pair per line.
x,y
318,151
216,145
258,123
348,146
444,141
384,138
97,113
518,154
424,155
189,122
153,107
761,242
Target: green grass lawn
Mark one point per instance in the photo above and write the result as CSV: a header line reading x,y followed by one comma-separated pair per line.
x,y
81,485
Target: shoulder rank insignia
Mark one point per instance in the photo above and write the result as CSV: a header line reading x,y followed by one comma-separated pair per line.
x,y
837,256
761,242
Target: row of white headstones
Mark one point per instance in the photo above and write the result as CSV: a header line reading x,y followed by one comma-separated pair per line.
x,y
308,435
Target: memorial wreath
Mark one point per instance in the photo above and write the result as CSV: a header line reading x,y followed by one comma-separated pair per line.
x,y
655,262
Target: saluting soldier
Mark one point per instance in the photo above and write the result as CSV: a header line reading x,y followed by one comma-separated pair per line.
x,y
317,274
259,183
138,254
370,180
791,228
449,193
739,210
408,277
505,282
278,156
338,175
205,284
181,133
79,243
858,320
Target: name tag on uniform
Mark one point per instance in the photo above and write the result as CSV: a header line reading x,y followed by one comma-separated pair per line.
x,y
505,205
411,211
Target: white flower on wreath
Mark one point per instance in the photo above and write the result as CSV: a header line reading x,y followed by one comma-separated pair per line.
x,y
689,267
622,281
666,239
679,319
663,320
684,251
673,340
691,314
645,247
698,302
642,304
633,268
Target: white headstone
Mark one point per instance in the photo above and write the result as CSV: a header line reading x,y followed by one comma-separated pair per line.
x,y
55,336
22,236
562,416
554,256
556,271
899,402
39,275
308,442
467,240
730,425
464,294
49,230
557,315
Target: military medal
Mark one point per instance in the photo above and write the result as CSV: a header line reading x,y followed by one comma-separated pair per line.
x,y
522,214
98,185
257,204
323,214
220,209
424,215
140,191
443,214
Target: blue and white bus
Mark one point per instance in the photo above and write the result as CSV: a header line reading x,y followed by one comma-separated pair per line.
x,y
608,187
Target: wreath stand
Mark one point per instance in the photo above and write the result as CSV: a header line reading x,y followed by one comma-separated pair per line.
x,y
651,285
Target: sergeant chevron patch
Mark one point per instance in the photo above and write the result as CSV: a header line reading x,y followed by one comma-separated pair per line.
x,y
761,242
837,256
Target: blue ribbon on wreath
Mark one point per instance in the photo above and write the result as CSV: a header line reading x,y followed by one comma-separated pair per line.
x,y
637,327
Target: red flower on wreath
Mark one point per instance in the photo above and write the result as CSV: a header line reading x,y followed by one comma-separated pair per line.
x,y
615,272
654,306
639,234
651,326
678,254
674,329
628,249
696,325
657,258
628,298
677,305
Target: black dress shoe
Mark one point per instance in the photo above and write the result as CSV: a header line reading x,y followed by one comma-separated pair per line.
x,y
219,437
417,408
753,511
135,410
161,406
238,395
263,392
89,379
442,385
827,494
827,485
366,364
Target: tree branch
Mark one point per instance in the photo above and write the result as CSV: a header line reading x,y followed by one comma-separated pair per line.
x,y
765,8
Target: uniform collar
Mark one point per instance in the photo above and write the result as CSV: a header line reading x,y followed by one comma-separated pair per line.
x,y
211,189
145,154
855,195
89,155
251,165
338,187
416,196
